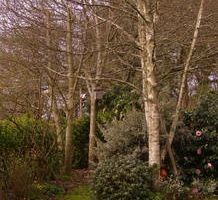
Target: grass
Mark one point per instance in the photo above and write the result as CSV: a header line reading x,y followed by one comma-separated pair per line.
x,y
80,193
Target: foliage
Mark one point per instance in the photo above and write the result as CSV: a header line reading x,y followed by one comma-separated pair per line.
x,y
25,141
44,191
197,148
80,142
20,178
205,116
174,188
123,178
125,137
116,103
206,186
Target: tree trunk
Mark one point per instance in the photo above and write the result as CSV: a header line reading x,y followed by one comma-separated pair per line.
x,y
39,115
91,88
70,100
185,99
51,82
147,45
92,139
56,118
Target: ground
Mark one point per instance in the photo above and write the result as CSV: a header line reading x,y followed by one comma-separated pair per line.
x,y
73,187
78,187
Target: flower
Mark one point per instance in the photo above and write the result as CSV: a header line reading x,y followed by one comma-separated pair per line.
x,y
198,171
195,190
199,151
209,165
198,133
186,158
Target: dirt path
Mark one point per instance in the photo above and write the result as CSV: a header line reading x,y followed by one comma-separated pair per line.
x,y
78,177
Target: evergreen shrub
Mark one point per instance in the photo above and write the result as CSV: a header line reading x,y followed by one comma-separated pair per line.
x,y
197,148
80,142
123,178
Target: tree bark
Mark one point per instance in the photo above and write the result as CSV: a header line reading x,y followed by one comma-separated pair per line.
x,y
70,100
51,82
92,92
147,45
92,139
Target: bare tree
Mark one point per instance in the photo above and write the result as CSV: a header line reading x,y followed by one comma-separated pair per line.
x,y
183,82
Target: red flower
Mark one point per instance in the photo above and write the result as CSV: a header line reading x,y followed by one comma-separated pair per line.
x,y
198,133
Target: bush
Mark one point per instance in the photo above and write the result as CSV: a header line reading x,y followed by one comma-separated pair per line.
x,y
80,142
117,102
174,188
196,147
80,135
45,191
206,187
125,137
25,141
205,115
20,179
123,178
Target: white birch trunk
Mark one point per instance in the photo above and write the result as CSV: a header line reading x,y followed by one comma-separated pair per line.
x,y
147,45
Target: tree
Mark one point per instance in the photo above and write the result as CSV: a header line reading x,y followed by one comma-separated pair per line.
x,y
71,91
184,78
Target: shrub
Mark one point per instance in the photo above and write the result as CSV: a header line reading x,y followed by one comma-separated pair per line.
x,y
25,141
117,102
206,186
80,135
45,191
197,148
174,188
125,137
80,142
123,178
20,179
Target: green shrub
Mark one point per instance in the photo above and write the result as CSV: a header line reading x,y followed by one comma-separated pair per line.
x,y
196,147
123,178
80,142
206,186
174,188
25,141
116,102
80,134
44,191
125,137
20,179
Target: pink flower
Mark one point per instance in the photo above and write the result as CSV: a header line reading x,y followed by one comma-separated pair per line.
x,y
194,190
198,133
198,171
209,165
199,151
